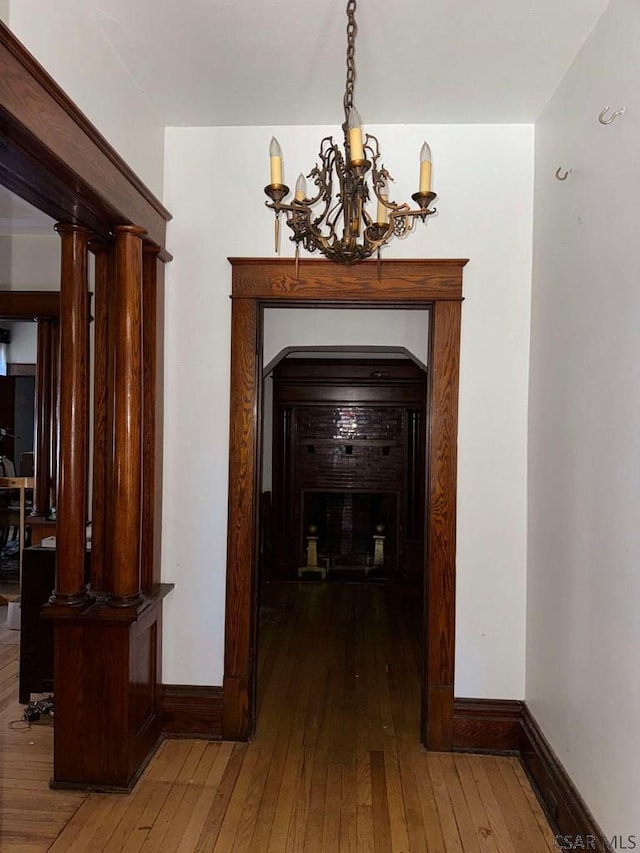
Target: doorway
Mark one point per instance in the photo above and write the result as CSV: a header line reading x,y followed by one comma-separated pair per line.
x,y
340,564
257,284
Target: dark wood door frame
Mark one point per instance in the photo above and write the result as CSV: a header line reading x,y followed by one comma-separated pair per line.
x,y
259,283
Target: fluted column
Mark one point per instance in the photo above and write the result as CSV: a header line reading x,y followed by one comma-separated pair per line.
x,y
127,419
70,590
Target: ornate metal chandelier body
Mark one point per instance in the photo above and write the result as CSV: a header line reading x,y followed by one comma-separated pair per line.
x,y
335,220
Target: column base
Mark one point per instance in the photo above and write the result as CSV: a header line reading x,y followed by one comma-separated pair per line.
x,y
107,668
124,601
78,599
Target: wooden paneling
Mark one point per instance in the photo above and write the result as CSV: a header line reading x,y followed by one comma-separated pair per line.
x,y
190,711
426,284
106,671
76,175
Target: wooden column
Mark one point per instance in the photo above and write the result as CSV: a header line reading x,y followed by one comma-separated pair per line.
x,y
102,417
43,419
152,414
127,419
70,589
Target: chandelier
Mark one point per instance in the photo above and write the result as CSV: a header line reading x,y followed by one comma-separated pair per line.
x,y
334,220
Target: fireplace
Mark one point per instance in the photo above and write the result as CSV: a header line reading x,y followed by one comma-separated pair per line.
x,y
348,455
346,522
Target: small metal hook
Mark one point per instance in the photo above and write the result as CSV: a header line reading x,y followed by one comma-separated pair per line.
x,y
565,176
603,120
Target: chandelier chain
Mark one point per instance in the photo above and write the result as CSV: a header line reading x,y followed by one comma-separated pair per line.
x,y
352,29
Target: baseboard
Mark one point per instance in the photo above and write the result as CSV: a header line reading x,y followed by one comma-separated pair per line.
x,y
487,725
479,725
504,726
565,808
188,711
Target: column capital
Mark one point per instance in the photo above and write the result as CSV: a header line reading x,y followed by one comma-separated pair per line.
x,y
133,230
72,228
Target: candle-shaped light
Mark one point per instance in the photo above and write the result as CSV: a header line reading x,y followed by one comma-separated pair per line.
x,y
355,136
381,215
275,157
301,188
425,169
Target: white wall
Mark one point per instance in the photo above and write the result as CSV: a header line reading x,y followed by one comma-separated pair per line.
x,y
583,636
66,39
213,186
4,11
344,327
23,348
30,262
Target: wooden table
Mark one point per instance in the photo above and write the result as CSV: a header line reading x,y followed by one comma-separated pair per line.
x,y
21,484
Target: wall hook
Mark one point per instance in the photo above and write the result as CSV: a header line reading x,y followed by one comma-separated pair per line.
x,y
565,176
603,120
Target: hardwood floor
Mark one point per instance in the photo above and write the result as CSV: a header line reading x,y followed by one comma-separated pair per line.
x,y
335,764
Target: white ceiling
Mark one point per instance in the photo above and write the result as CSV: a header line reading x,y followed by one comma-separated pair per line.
x,y
17,216
278,62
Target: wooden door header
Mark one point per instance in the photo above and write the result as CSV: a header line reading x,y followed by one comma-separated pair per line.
x,y
400,282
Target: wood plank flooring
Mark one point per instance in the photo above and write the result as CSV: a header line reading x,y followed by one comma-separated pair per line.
x,y
335,764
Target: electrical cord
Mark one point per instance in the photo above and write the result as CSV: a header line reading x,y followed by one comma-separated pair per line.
x,y
33,712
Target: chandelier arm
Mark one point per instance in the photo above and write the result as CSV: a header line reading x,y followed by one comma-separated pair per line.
x,y
371,143
322,177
